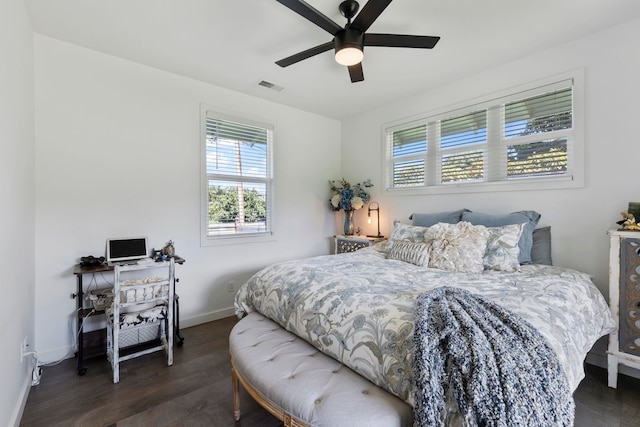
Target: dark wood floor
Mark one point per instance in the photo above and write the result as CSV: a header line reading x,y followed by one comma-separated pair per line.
x,y
196,391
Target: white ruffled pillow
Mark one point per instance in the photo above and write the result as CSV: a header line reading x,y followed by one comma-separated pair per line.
x,y
457,247
413,252
502,248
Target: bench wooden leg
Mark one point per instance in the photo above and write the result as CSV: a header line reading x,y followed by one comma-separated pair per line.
x,y
236,393
237,379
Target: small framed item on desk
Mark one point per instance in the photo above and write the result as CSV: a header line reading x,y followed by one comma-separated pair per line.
x,y
343,244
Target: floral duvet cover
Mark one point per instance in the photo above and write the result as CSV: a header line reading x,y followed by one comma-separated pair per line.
x,y
358,308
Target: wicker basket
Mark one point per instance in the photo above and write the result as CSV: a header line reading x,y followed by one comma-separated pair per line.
x,y
139,334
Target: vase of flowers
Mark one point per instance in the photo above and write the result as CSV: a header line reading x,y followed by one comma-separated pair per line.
x,y
349,198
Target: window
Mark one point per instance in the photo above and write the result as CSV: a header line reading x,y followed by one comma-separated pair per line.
x,y
527,138
238,177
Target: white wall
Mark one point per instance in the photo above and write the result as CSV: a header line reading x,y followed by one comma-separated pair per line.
x,y
17,207
118,154
579,218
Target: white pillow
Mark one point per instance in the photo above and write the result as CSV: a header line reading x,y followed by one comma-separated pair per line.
x,y
457,247
413,252
502,248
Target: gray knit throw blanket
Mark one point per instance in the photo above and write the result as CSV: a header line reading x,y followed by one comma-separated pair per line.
x,y
497,367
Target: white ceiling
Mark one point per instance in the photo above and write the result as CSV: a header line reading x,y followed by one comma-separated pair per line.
x,y
234,43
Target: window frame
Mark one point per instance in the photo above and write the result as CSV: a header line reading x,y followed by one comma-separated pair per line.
x,y
490,101
208,111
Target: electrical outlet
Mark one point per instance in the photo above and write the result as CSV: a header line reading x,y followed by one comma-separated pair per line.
x,y
230,286
24,346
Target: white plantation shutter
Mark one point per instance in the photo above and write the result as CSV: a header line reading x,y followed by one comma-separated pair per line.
x,y
463,143
539,114
408,147
238,175
520,137
225,137
537,133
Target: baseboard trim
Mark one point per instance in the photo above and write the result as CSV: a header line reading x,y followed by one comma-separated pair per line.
x,y
16,417
600,360
206,317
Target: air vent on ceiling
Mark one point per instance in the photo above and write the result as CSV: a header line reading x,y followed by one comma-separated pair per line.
x,y
270,85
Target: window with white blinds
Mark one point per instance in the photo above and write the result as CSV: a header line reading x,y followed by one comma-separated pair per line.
x,y
238,176
409,146
524,137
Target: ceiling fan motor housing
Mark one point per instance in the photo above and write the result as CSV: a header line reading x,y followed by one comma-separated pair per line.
x,y
349,38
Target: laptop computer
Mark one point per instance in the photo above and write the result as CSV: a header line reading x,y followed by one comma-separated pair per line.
x,y
126,250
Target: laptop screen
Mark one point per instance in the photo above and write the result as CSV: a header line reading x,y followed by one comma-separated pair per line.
x,y
126,249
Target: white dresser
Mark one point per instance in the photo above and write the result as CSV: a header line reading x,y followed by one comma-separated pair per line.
x,y
624,300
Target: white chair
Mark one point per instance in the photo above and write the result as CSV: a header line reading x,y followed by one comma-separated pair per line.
x,y
140,320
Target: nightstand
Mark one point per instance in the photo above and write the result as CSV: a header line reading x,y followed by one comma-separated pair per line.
x,y
344,244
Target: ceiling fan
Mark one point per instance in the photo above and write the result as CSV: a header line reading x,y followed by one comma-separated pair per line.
x,y
349,42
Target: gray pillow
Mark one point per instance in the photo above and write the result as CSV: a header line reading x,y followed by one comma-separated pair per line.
x,y
412,252
541,249
529,218
429,219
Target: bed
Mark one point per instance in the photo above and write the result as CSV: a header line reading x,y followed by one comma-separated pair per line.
x,y
358,308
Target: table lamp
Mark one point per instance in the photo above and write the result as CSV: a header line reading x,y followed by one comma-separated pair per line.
x,y
377,210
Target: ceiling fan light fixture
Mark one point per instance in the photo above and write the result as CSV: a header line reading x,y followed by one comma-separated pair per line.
x,y
349,47
349,56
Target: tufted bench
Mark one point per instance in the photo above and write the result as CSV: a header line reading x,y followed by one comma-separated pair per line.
x,y
303,387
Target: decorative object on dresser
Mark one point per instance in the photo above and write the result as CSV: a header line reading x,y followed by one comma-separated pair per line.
x,y
349,198
343,244
634,209
629,221
624,301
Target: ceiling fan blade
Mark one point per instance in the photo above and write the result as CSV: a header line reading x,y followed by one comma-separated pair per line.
x,y
306,54
310,13
369,14
400,40
356,73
